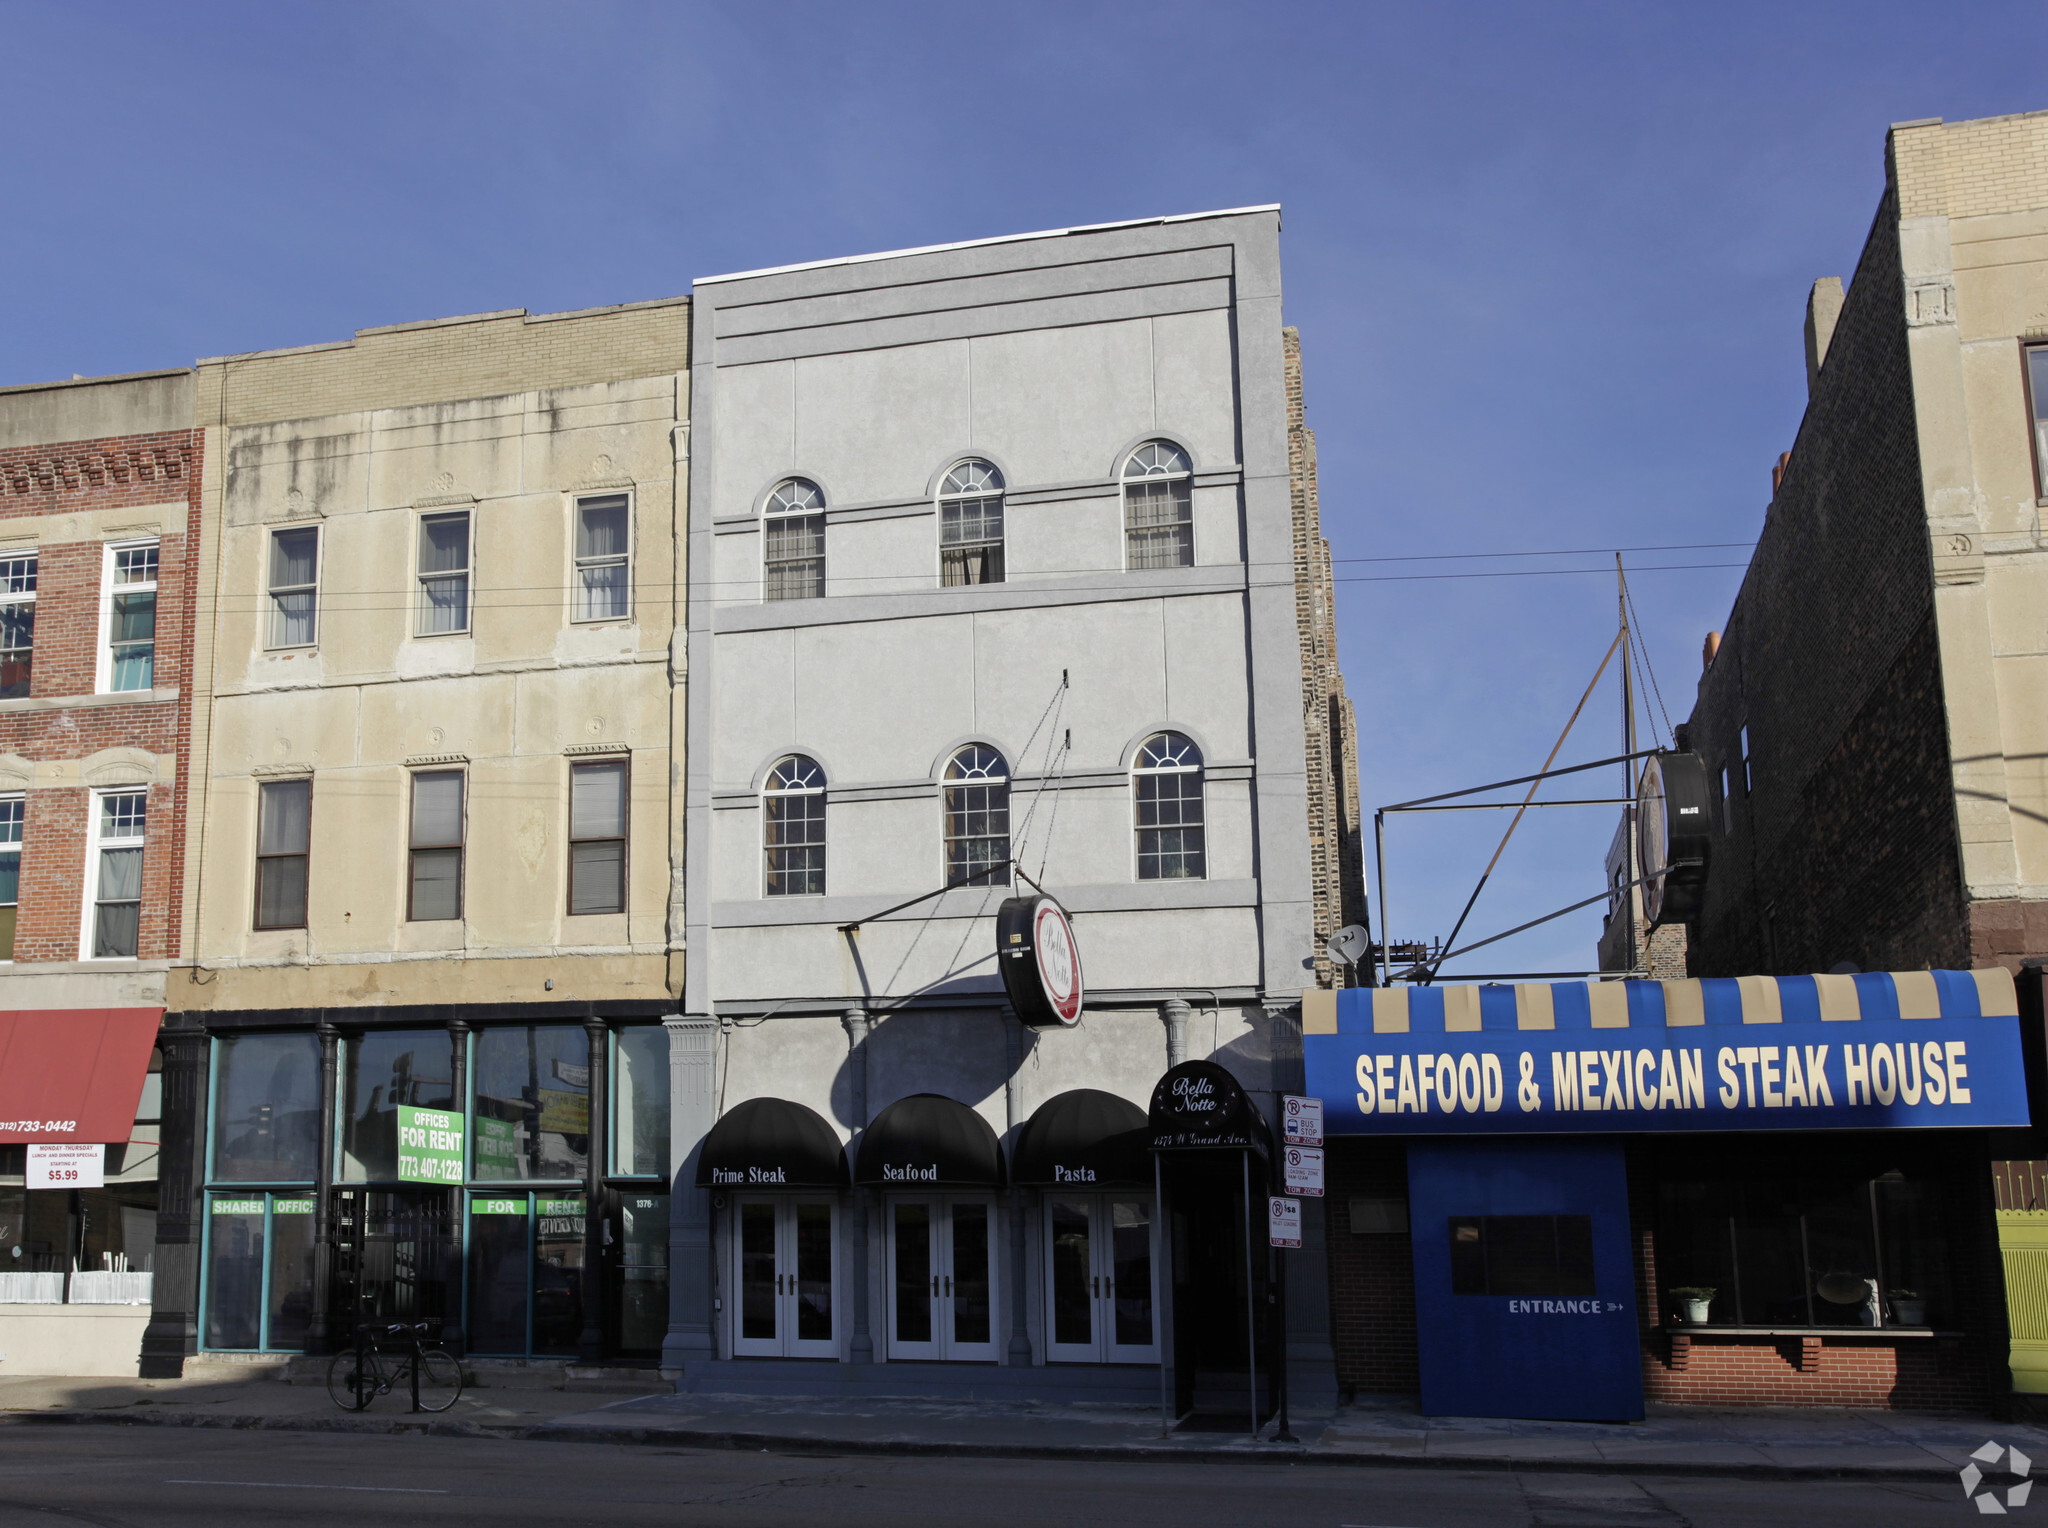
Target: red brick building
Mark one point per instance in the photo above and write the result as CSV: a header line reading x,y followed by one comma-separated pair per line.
x,y
99,521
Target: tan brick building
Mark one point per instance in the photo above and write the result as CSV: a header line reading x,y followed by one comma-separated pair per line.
x,y
1872,714
438,724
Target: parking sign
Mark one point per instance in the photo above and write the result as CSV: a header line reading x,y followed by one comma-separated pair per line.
x,y
1283,1221
1301,1120
1301,1168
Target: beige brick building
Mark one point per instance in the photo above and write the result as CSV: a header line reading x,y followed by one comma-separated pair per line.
x,y
436,731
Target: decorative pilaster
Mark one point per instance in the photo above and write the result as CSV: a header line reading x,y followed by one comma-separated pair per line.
x,y
319,1332
173,1330
596,1284
458,1093
857,1026
692,1110
1174,1014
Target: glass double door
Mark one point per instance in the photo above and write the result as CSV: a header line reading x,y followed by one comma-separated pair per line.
x,y
941,1279
1098,1279
784,1261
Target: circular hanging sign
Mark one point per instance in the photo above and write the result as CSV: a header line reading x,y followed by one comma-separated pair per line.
x,y
1039,961
1674,835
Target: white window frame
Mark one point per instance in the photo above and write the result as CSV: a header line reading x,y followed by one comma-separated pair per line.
x,y
95,842
1125,478
272,592
467,573
785,494
949,782
771,791
1141,770
103,671
952,496
17,846
10,573
578,564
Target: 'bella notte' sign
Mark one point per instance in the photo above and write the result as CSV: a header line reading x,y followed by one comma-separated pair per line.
x,y
1868,1074
1199,1106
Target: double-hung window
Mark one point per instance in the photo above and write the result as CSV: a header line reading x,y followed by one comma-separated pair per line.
x,y
793,827
294,587
13,809
1159,515
971,525
597,837
17,624
284,820
114,886
435,846
128,620
444,569
793,542
604,590
1167,784
977,818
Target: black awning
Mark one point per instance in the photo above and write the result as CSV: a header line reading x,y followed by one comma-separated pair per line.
x,y
1081,1137
1198,1106
928,1139
771,1143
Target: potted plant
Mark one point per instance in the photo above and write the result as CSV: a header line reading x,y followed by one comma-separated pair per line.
x,y
1695,1302
1908,1308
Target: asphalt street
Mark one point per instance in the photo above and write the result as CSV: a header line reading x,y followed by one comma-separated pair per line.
x,y
116,1477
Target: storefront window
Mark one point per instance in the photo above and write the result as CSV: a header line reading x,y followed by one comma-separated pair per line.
x,y
526,1273
379,1072
532,1114
640,1106
266,1111
1845,1238
259,1276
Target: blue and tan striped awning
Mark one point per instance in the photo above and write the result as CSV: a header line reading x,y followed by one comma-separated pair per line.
x,y
1882,1050
1674,1004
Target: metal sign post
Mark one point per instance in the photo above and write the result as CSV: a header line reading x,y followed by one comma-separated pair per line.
x,y
1283,1231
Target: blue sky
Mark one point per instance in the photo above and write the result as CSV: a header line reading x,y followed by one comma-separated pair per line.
x,y
1549,262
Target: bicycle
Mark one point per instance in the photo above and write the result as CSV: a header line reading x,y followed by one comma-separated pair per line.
x,y
429,1372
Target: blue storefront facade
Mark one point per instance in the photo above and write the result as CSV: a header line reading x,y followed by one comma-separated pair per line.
x,y
1586,1196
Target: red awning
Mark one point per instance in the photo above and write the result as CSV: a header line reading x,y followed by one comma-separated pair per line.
x,y
73,1074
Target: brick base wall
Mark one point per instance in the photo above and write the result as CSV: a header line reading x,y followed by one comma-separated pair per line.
x,y
2006,933
1372,1277
1911,1375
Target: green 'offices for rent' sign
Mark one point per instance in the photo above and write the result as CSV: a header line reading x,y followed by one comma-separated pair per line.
x,y
429,1145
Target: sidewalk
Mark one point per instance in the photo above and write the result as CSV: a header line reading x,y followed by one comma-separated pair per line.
x,y
1759,1443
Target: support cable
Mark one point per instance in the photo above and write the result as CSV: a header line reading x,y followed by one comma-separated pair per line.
x,y
1636,624
1535,786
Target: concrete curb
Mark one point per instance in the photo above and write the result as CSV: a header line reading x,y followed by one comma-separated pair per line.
x,y
1107,1453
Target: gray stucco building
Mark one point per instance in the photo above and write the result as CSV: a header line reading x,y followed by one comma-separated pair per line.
x,y
1004,573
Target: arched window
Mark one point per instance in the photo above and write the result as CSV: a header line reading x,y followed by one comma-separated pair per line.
x,y
793,542
793,827
971,525
1166,782
977,818
1159,515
